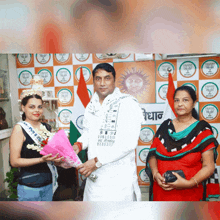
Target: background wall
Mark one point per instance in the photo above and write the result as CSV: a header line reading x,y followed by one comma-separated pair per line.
x,y
146,80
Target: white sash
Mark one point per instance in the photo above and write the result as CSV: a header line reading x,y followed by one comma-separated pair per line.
x,y
37,138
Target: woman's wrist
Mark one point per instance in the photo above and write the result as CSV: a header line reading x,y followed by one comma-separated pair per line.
x,y
154,174
194,182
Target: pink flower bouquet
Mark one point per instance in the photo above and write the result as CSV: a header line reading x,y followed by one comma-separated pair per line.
x,y
60,144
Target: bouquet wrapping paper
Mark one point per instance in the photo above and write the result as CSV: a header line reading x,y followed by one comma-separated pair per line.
x,y
60,144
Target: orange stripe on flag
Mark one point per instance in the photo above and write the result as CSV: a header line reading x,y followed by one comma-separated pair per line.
x,y
82,91
170,93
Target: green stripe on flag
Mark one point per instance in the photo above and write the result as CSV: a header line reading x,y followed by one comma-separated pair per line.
x,y
74,135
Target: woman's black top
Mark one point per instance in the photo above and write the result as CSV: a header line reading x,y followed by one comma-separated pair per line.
x,y
36,175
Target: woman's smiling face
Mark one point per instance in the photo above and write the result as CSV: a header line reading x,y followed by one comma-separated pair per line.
x,y
33,109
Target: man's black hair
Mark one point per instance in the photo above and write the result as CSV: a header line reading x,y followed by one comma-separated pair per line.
x,y
104,66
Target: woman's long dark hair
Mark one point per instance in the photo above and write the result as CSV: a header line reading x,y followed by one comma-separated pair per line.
x,y
24,102
192,93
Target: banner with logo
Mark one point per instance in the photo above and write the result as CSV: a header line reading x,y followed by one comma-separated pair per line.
x,y
147,80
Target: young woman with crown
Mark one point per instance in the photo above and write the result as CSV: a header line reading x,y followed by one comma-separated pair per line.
x,y
38,175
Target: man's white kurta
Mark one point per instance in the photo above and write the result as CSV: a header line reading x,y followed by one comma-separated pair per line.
x,y
111,133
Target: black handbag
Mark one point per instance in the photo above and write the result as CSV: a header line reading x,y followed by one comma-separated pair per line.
x,y
169,177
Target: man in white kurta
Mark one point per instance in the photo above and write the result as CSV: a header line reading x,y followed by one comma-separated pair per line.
x,y
111,132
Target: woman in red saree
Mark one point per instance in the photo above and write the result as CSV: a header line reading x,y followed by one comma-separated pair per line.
x,y
186,144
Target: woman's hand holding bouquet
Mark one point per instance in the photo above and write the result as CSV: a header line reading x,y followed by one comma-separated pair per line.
x,y
59,144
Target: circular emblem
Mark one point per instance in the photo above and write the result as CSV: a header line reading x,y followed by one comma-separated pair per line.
x,y
111,55
24,58
209,90
65,96
210,68
90,93
86,73
82,56
163,91
210,112
24,77
134,82
215,132
43,58
165,68
187,69
125,55
65,116
190,85
62,57
46,75
100,56
143,154
63,75
146,135
143,176
79,122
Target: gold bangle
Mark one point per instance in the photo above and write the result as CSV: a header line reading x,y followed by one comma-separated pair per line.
x,y
195,181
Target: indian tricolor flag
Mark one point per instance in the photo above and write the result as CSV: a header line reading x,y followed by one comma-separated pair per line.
x,y
80,103
169,105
